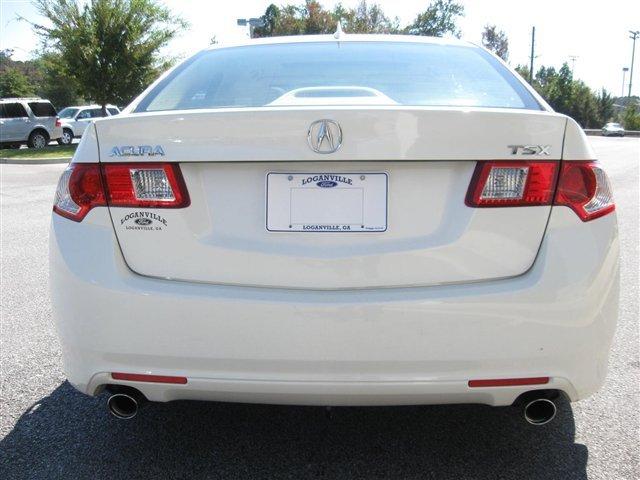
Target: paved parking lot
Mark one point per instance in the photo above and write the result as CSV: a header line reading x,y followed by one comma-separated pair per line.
x,y
50,431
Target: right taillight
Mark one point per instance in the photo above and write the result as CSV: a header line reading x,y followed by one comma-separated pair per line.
x,y
585,188
83,186
582,186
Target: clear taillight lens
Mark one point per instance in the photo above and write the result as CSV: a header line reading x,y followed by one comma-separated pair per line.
x,y
151,185
83,186
512,184
584,187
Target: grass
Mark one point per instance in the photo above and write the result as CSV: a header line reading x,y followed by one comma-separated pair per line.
x,y
53,151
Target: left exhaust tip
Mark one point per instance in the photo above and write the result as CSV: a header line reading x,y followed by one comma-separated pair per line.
x,y
540,411
123,406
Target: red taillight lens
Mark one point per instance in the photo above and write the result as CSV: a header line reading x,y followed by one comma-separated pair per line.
x,y
512,184
58,122
150,185
584,187
79,190
83,186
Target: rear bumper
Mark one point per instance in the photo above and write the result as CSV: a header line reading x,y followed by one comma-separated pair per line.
x,y
356,347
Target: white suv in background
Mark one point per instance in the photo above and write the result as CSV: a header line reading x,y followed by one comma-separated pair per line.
x,y
32,121
75,120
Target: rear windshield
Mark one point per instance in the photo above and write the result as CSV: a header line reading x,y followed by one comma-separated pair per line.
x,y
68,112
340,73
42,109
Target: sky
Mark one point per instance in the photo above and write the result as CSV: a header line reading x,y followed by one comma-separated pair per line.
x,y
596,33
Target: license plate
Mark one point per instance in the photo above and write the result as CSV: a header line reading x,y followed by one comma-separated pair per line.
x,y
327,202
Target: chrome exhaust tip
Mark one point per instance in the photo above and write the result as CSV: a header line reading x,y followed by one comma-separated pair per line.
x,y
123,405
540,411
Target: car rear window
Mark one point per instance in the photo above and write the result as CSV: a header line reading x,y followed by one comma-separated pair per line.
x,y
12,110
362,73
113,111
42,109
68,112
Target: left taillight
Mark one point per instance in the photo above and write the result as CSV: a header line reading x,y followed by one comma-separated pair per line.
x,y
83,186
79,189
58,122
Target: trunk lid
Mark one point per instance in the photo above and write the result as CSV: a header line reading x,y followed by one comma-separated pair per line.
x,y
235,161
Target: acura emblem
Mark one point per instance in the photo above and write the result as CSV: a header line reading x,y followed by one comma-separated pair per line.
x,y
325,136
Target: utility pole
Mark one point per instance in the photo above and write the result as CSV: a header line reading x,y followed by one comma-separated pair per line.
x,y
533,46
624,76
633,36
573,59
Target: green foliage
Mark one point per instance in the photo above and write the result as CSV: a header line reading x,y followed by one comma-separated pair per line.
x,y
108,47
496,41
366,18
571,97
311,18
604,103
438,19
631,117
14,83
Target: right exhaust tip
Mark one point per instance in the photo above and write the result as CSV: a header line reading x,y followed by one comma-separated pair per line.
x,y
540,411
123,406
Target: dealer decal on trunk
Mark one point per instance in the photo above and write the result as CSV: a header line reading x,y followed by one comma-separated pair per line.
x,y
143,221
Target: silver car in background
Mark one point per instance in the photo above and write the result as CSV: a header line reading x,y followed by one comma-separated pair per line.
x,y
33,121
613,129
76,119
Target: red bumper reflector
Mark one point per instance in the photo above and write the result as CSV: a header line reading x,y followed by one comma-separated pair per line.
x,y
509,382
139,377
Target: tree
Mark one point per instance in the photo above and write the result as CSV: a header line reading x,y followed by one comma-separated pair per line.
x,y
604,103
110,47
57,84
14,83
438,19
306,19
631,117
496,41
365,18
312,18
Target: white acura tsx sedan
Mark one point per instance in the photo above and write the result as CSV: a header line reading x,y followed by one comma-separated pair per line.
x,y
336,220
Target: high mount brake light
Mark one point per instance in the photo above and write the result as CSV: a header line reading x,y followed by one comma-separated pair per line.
x,y
83,186
581,186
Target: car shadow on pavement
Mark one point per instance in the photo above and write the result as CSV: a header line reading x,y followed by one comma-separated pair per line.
x,y
70,436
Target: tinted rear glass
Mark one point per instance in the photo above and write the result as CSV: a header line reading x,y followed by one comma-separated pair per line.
x,y
13,110
325,73
42,109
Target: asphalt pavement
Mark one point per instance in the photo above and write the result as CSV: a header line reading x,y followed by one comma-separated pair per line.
x,y
50,431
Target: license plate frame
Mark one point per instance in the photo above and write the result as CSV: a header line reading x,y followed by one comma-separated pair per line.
x,y
327,202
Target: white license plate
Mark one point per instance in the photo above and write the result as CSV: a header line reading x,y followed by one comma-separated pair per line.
x,y
327,202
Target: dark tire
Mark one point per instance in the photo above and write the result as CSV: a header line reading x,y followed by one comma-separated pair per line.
x,y
66,138
38,139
